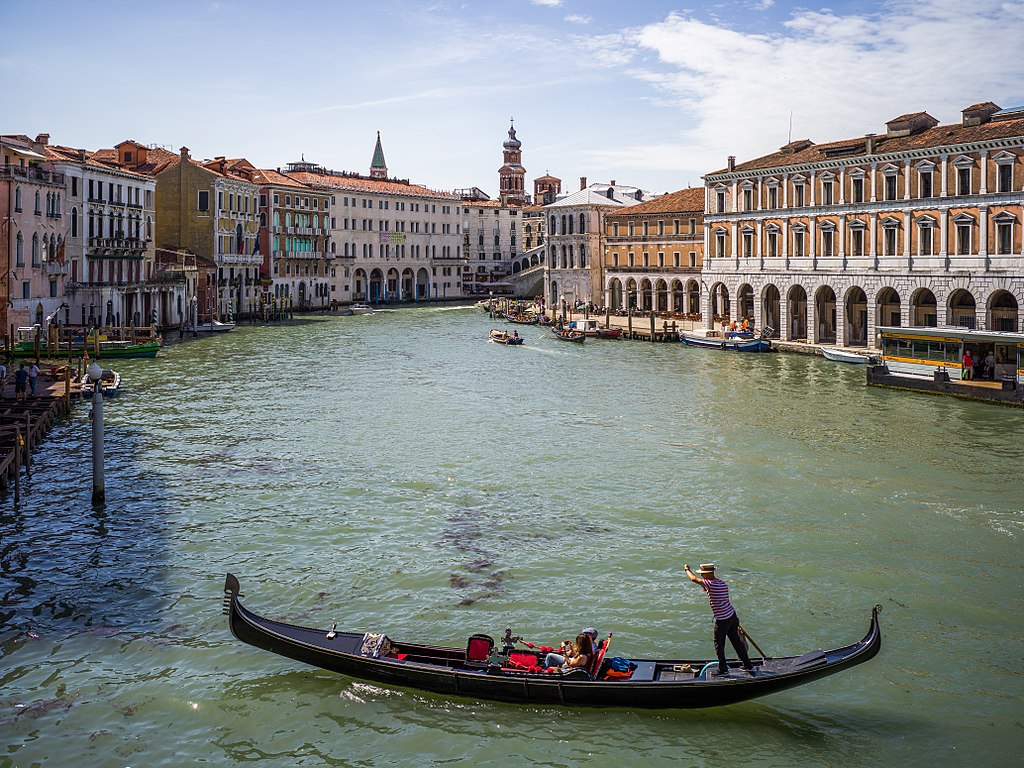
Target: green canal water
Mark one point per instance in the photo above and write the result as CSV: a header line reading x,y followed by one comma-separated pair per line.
x,y
399,473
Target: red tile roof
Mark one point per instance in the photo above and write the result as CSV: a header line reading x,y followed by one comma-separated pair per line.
x,y
939,136
690,200
378,186
270,176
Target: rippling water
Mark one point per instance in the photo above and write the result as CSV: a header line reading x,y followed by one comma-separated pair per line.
x,y
396,472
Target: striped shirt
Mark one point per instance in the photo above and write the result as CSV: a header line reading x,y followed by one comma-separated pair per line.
x,y
718,596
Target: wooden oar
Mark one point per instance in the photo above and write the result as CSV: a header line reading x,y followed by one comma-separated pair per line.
x,y
753,642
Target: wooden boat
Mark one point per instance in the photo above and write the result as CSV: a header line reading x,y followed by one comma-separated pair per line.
x,y
566,334
483,670
506,338
215,326
523,319
592,329
107,349
110,384
710,338
844,356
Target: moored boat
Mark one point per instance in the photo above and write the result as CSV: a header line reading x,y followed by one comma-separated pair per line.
x,y
506,338
590,327
567,334
482,669
522,319
844,356
215,326
361,309
710,338
109,383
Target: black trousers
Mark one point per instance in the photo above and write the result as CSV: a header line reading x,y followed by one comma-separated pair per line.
x,y
730,628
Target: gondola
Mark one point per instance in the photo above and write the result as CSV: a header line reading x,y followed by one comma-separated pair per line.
x,y
566,334
506,338
483,669
522,319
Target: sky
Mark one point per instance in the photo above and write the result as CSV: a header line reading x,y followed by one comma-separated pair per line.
x,y
650,93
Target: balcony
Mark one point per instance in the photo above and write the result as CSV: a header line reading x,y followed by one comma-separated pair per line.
x,y
116,247
55,268
654,270
31,173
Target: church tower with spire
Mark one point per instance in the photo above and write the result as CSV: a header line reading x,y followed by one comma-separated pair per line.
x,y
511,175
378,168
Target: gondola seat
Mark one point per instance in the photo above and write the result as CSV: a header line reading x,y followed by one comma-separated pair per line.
x,y
478,651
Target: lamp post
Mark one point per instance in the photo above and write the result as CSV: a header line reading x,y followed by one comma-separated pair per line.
x,y
99,496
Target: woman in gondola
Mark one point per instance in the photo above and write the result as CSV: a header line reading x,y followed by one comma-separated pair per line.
x,y
576,654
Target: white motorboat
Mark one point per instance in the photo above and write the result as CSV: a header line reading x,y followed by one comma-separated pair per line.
x,y
361,309
215,326
110,384
844,356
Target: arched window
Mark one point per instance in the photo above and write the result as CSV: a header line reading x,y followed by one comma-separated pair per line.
x,y
583,223
239,239
17,199
74,222
554,228
149,228
20,252
38,211
35,250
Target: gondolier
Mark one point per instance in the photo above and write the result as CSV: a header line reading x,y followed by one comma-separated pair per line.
x,y
727,623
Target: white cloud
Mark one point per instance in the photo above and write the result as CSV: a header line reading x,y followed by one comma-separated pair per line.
x,y
548,3
839,75
763,5
578,18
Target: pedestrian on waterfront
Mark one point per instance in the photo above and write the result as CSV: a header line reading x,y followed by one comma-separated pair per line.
x,y
20,382
3,377
990,366
727,623
968,366
33,376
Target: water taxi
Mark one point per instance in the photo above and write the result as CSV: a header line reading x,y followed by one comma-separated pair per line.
x,y
934,360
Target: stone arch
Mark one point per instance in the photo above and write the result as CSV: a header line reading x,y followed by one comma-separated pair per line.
x,y
644,297
961,309
771,309
923,308
407,284
825,315
719,309
631,293
678,296
661,297
375,286
692,297
855,317
422,284
796,302
887,307
615,293
745,302
1003,310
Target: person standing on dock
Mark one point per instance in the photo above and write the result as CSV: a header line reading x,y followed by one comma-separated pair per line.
x,y
968,366
33,377
20,382
727,623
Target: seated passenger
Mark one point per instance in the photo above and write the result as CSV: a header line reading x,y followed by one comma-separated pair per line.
x,y
576,654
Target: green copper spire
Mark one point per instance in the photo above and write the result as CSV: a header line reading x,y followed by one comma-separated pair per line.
x,y
378,168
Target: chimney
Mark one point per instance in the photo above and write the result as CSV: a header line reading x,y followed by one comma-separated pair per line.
x,y
81,155
184,153
613,182
869,144
43,138
731,163
583,182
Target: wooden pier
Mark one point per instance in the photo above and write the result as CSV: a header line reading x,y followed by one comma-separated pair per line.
x,y
25,423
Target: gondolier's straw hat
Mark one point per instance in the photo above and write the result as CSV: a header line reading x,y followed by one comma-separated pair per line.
x,y
706,568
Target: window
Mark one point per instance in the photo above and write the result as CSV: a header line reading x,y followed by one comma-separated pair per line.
x,y
615,230
773,243
748,244
17,199
720,244
963,239
203,202
35,250
26,289
890,186
615,259
798,195
1004,179
74,222
693,258
748,199
858,190
38,210
889,241
1004,234
827,238
963,181
721,202
675,259
924,239
74,186
629,259
798,242
857,241
20,251
661,259
773,197
827,191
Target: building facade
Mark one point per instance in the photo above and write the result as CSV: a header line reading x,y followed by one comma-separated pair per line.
x,y
31,233
920,226
391,241
653,254
295,233
574,271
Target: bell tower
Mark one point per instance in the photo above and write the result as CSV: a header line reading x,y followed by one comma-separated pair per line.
x,y
511,175
378,168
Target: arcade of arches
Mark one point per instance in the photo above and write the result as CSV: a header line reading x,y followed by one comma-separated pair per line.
x,y
819,313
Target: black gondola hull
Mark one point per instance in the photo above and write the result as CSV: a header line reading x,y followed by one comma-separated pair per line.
x,y
447,673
